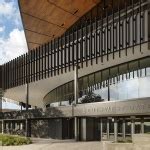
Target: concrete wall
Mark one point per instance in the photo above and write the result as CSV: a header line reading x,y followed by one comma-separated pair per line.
x,y
40,128
40,88
139,106
55,128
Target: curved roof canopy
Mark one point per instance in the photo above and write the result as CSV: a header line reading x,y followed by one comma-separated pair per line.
x,y
44,20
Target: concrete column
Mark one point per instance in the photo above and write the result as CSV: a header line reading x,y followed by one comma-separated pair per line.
x,y
101,129
27,96
2,126
142,125
11,126
76,128
124,129
21,126
76,92
115,130
83,133
108,89
107,128
75,102
16,124
132,127
27,128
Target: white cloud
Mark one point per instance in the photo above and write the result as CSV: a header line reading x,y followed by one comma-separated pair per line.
x,y
15,45
2,29
6,8
10,11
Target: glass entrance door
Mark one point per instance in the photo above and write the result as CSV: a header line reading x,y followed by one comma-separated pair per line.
x,y
107,128
123,127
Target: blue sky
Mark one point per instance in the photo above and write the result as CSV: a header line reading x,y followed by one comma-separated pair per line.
x,y
12,38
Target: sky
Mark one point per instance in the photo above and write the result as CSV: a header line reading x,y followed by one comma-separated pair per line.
x,y
12,38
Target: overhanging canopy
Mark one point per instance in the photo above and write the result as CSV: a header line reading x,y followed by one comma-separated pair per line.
x,y
44,20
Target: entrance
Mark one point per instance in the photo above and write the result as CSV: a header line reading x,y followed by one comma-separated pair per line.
x,y
68,128
107,128
122,128
111,128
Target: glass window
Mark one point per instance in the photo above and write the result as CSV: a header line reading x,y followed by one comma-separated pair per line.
x,y
59,93
81,84
145,62
104,129
137,126
113,92
133,65
128,128
66,91
111,128
146,125
103,92
143,72
56,97
131,75
98,77
114,71
122,93
123,69
148,71
85,82
105,74
144,87
135,74
91,79
132,88
71,87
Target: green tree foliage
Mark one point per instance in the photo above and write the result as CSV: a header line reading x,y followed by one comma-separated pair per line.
x,y
91,98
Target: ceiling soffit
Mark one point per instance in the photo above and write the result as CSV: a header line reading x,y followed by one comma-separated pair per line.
x,y
45,20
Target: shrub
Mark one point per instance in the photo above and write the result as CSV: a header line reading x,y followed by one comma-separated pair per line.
x,y
125,141
8,140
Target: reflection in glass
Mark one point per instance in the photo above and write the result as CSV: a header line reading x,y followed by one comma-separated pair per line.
x,y
126,81
128,128
111,128
137,126
104,129
146,125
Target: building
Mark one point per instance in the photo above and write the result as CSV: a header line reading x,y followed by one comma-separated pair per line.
x,y
88,66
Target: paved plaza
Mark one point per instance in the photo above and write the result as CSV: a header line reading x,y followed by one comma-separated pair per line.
x,y
49,144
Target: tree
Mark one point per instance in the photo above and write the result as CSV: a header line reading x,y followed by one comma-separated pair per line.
x,y
92,97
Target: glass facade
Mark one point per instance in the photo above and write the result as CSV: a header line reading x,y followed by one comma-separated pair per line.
x,y
122,82
126,126
147,125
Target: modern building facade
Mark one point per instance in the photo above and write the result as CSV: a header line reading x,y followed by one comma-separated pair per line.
x,y
88,67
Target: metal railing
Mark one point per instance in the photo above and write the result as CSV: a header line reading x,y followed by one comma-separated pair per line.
x,y
110,31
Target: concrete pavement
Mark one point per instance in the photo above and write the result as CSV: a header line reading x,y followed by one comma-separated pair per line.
x,y
50,144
